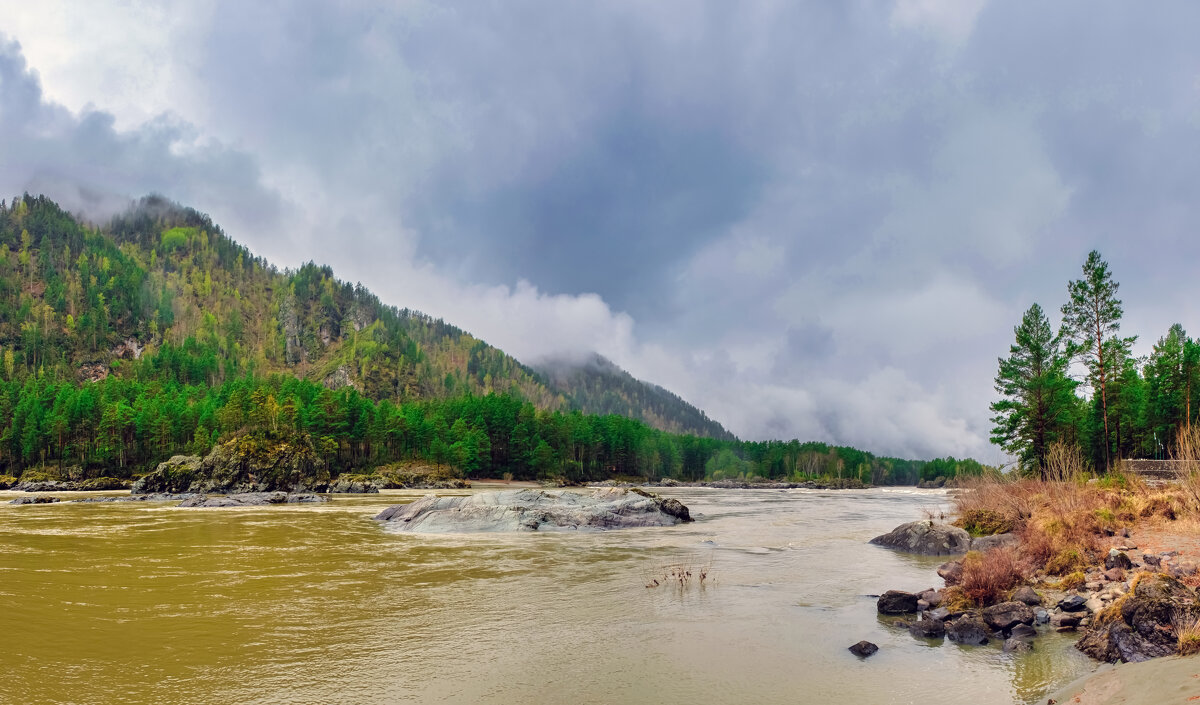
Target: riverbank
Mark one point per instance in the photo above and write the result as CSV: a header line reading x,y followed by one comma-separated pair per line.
x,y
1172,680
1114,560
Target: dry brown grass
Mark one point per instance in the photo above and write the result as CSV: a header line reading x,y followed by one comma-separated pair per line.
x,y
1187,631
988,578
1187,452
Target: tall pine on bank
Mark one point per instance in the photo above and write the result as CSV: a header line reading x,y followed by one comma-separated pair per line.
x,y
1038,401
1091,319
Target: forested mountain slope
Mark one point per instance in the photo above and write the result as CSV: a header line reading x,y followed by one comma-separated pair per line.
x,y
597,386
76,300
156,335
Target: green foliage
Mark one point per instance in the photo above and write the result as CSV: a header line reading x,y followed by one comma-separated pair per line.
x,y
1038,406
1091,319
1133,408
156,335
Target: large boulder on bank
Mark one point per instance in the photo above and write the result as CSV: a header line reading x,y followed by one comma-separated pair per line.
x,y
1142,627
244,464
535,510
926,537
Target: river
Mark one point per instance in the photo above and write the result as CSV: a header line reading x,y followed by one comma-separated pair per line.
x,y
135,603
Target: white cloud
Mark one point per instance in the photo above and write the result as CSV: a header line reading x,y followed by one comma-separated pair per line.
x,y
951,20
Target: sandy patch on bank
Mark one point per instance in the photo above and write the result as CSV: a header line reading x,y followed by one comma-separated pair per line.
x,y
1172,680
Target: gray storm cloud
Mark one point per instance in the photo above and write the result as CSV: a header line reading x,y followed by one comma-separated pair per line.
x,y
811,219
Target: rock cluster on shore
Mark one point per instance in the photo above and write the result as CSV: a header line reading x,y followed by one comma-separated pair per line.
x,y
1126,609
536,510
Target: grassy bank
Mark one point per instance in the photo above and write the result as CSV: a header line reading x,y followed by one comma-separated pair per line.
x,y
1066,523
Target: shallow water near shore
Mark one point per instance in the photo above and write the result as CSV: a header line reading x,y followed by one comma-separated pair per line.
x,y
136,603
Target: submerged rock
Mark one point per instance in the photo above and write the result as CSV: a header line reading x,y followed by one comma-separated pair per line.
x,y
927,538
928,628
536,510
863,649
248,499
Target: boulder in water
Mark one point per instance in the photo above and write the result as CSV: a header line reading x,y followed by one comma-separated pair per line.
x,y
968,630
248,499
897,602
39,499
926,537
535,510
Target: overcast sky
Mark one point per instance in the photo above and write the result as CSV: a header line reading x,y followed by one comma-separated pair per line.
x,y
811,219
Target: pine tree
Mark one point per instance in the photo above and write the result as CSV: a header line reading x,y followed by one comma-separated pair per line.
x,y
1039,403
1091,317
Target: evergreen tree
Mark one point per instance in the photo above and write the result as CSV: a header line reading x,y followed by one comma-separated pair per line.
x,y
1092,316
1039,403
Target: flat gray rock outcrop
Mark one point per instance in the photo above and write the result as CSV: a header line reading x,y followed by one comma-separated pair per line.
x,y
249,499
926,537
535,510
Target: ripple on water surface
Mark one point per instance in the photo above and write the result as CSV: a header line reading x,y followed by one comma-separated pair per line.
x,y
300,604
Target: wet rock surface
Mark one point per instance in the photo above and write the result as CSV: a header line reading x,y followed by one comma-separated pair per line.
x,y
536,510
863,649
896,602
927,538
968,630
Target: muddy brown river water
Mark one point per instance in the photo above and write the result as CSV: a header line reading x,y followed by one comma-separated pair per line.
x,y
136,603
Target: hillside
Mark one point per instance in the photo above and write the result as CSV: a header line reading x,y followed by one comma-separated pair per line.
x,y
597,386
156,335
164,279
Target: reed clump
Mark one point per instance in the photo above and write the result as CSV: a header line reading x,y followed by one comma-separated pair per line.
x,y
681,575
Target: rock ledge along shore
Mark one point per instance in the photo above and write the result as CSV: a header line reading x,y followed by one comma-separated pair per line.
x,y
536,510
1125,609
